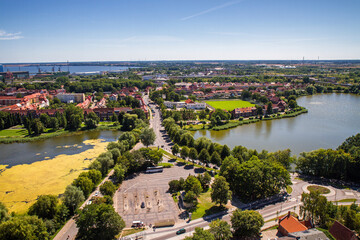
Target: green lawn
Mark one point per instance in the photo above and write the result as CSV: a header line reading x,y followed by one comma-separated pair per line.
x,y
229,105
347,200
205,207
289,189
322,190
13,133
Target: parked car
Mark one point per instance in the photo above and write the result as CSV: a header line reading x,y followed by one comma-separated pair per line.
x,y
142,205
180,231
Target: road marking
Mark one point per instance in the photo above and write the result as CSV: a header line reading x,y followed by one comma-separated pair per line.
x,y
131,187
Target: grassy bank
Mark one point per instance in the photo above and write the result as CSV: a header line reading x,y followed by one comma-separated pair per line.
x,y
235,123
21,135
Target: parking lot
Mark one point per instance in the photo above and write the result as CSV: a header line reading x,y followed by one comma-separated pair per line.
x,y
150,189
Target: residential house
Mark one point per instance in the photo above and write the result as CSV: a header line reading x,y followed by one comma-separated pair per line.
x,y
340,232
244,112
290,224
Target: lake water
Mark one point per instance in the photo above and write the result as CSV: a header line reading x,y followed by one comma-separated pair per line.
x,y
331,119
72,69
30,152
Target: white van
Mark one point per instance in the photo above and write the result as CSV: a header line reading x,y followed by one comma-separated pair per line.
x,y
137,224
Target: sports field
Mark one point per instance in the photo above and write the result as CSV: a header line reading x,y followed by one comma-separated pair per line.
x,y
229,105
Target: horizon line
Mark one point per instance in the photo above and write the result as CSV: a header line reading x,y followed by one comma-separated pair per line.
x,y
188,60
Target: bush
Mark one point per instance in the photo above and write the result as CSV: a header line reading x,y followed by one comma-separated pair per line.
x,y
174,186
166,165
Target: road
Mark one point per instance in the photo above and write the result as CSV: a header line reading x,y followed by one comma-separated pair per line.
x,y
70,230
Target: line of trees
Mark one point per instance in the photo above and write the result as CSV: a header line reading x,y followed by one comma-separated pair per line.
x,y
343,163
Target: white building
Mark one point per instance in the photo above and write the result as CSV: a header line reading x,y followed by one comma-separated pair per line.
x,y
71,97
196,105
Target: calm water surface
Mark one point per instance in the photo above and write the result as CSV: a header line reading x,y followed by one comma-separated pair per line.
x,y
27,153
331,119
72,69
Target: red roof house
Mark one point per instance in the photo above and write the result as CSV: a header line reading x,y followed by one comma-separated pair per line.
x,y
340,232
289,224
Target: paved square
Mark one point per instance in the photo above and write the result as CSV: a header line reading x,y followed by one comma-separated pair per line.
x,y
150,189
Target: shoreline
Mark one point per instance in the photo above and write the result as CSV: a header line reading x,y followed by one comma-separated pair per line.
x,y
249,120
9,140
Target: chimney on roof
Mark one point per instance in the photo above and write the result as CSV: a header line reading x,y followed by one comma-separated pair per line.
x,y
288,213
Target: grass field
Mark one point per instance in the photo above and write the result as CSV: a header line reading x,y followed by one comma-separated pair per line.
x,y
205,207
229,105
322,190
13,133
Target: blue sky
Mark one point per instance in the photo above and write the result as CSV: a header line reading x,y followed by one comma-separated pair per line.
x,y
116,30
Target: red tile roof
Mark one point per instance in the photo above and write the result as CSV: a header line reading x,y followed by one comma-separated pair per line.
x,y
340,232
291,224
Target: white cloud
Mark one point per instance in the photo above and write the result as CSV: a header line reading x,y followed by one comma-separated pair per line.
x,y
211,10
9,36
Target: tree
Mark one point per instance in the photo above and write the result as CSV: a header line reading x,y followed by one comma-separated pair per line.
x,y
45,119
193,184
201,234
108,188
23,228
259,110
215,158
205,180
119,173
45,207
37,127
85,184
184,152
93,174
74,116
193,154
220,191
220,229
174,186
292,104
247,179
114,118
129,122
202,114
4,213
204,156
310,89
246,223
147,136
54,123
225,151
99,221
269,109
73,197
191,198
175,149
91,120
